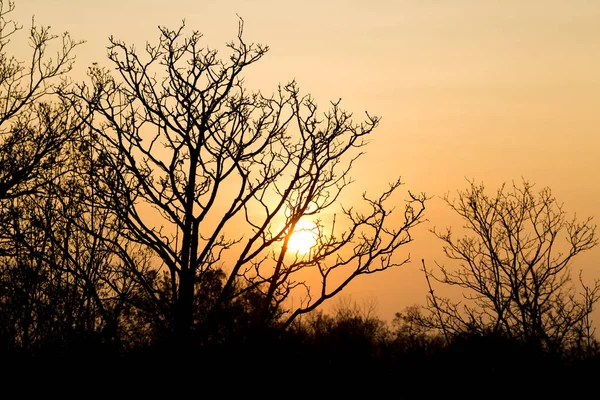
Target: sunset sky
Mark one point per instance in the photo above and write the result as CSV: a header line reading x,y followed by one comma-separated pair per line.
x,y
480,89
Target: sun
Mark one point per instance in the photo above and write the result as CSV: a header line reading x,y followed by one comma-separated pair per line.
x,y
303,238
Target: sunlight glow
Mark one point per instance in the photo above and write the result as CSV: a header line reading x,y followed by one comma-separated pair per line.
x,y
303,238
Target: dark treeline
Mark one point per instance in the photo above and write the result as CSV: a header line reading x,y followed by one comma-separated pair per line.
x,y
145,216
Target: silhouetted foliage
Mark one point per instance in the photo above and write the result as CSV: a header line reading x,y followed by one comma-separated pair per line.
x,y
351,336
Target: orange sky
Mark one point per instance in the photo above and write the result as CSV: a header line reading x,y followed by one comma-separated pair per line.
x,y
490,90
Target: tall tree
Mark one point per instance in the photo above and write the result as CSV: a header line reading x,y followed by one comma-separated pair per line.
x,y
213,177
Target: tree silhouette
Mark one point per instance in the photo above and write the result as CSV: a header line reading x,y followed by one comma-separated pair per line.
x,y
35,128
31,131
67,274
515,269
213,178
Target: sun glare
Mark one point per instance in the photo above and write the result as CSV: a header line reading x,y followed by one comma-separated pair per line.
x,y
303,238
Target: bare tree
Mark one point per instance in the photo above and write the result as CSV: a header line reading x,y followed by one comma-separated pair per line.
x,y
514,268
35,127
212,177
66,273
26,148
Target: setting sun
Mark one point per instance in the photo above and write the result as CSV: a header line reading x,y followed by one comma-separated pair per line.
x,y
303,238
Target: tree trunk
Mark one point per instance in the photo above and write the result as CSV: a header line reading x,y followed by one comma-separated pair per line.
x,y
184,309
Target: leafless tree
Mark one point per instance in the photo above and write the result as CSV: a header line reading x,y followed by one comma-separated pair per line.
x,y
66,273
29,139
515,268
35,128
212,177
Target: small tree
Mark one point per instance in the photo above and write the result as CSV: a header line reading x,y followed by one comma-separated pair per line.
x,y
229,174
350,336
515,269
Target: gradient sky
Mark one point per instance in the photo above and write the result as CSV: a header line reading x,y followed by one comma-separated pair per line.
x,y
480,89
